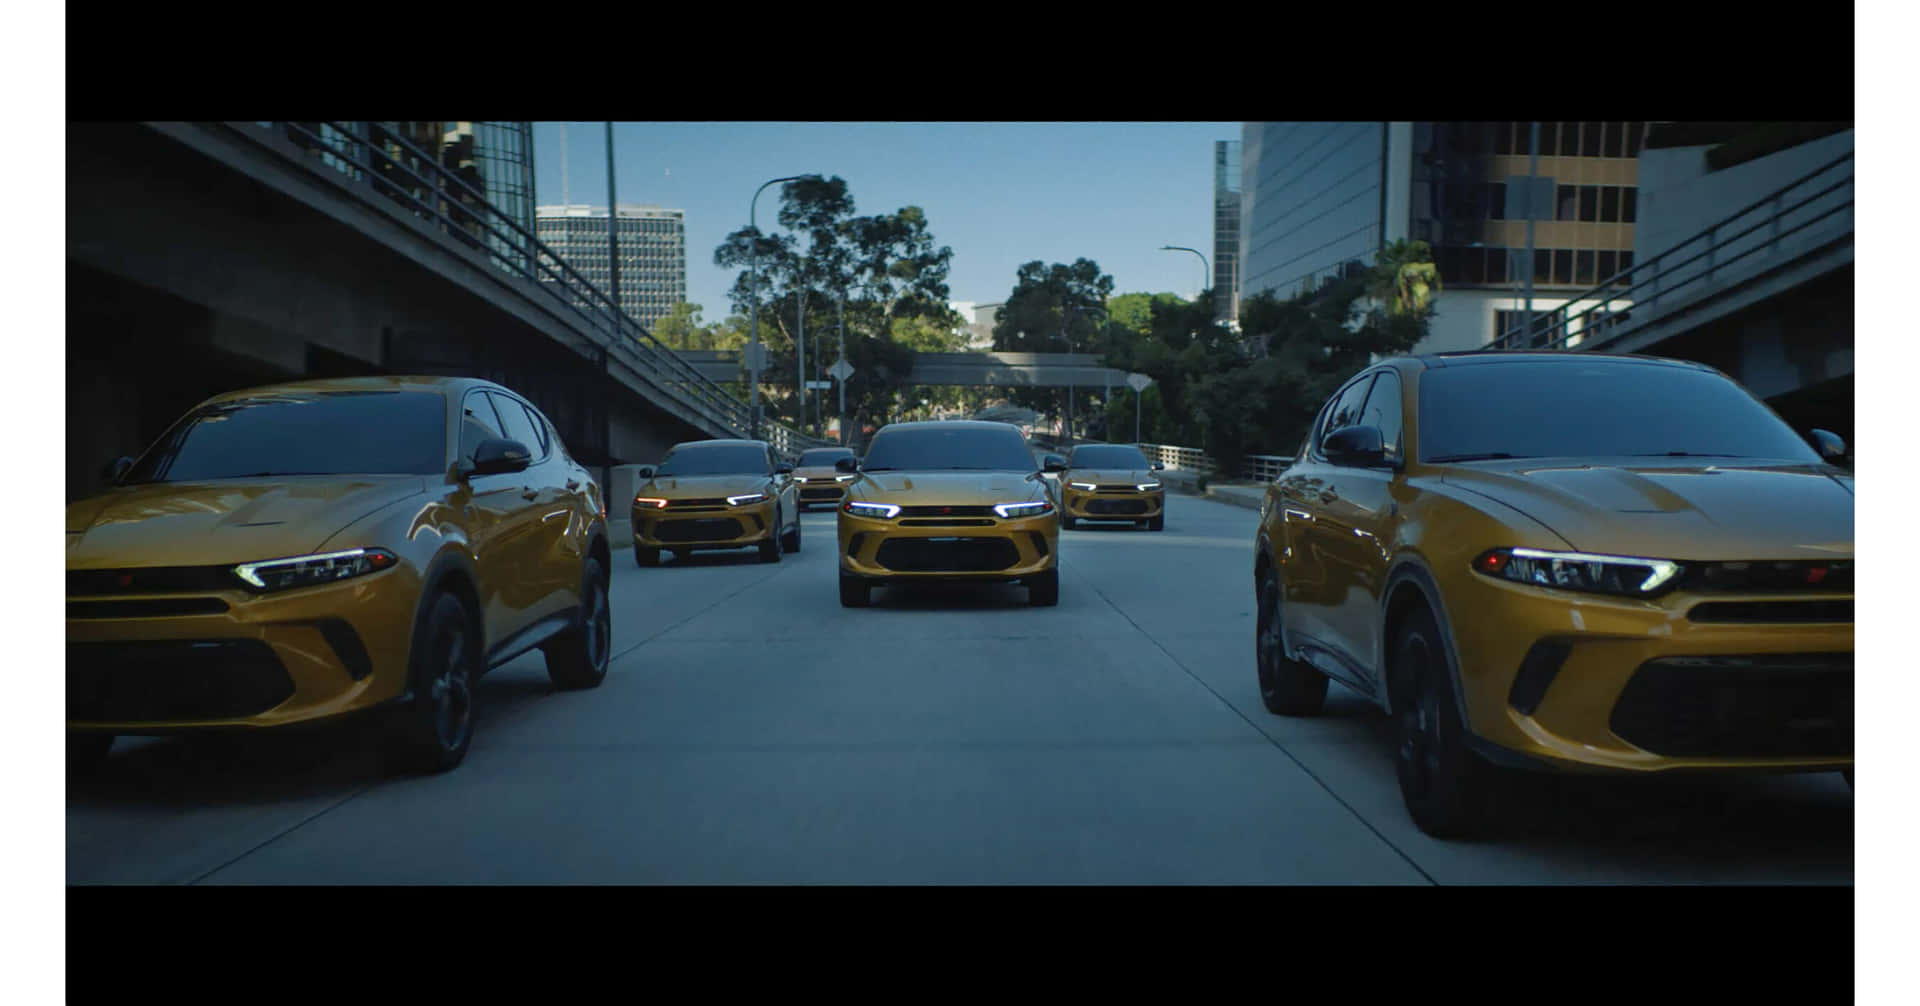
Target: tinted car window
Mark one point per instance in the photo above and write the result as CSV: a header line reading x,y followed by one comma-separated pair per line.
x,y
947,449
478,422
516,423
1382,410
719,459
1346,409
1595,408
823,457
1108,456
325,433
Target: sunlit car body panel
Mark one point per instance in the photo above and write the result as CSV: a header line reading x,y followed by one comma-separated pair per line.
x,y
697,515
158,621
1636,683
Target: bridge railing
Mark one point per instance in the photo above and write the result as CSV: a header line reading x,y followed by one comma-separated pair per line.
x,y
392,166
1687,270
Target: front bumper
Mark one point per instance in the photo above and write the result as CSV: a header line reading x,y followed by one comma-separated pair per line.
x,y
277,660
1588,683
703,527
993,549
1129,505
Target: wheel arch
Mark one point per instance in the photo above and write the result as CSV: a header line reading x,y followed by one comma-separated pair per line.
x,y
1411,587
450,571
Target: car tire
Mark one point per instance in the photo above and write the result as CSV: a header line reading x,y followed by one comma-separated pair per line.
x,y
682,554
578,658
791,542
1157,522
1043,591
1447,788
1068,522
644,557
86,751
434,728
1847,774
1287,687
770,548
855,592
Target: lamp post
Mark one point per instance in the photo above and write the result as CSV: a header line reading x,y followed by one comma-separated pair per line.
x,y
1206,270
753,300
1066,333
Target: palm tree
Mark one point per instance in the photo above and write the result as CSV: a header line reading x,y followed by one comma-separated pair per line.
x,y
1405,278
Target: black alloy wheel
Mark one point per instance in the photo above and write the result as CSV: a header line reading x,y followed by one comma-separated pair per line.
x,y
855,592
791,542
1043,591
1447,788
1287,687
579,658
644,557
435,729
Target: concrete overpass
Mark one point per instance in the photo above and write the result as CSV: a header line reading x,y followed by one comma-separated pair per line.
x,y
208,256
974,370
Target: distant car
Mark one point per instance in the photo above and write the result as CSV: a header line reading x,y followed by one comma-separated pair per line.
x,y
716,494
1112,482
957,501
298,553
1562,561
818,480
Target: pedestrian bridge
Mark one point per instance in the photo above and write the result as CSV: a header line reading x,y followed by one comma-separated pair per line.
x,y
974,370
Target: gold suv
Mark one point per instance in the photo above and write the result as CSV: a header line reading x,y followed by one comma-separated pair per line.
x,y
1562,561
951,500
716,494
1112,482
818,480
292,554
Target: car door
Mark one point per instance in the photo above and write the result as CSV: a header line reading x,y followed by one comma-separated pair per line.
x,y
1314,525
501,504
554,552
1361,521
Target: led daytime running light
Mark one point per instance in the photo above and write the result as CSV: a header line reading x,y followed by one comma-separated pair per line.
x,y
375,559
1088,486
1031,509
745,498
649,501
1147,486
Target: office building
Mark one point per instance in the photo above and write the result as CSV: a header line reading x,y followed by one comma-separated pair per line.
x,y
653,253
1321,198
1226,229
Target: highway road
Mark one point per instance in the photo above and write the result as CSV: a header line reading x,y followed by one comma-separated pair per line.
x,y
752,731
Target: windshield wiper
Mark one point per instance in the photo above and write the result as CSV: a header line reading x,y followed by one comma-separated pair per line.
x,y
1489,456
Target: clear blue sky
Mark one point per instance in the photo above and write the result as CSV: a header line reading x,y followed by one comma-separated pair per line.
x,y
998,194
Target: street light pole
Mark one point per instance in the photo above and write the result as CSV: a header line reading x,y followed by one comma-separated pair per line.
x,y
753,299
1533,168
619,315
1206,270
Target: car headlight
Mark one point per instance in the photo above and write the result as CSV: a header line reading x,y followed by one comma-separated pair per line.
x,y
650,502
308,570
1088,486
845,478
745,498
1147,486
1022,509
1597,574
802,479
883,511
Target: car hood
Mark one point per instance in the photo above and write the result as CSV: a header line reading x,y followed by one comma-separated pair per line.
x,y
228,521
824,474
1706,511
1111,476
948,488
703,486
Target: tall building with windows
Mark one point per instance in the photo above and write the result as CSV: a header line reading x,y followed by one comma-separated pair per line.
x,y
1321,198
1226,229
653,253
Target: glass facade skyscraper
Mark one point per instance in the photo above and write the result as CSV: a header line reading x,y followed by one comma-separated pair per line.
x,y
1226,229
653,253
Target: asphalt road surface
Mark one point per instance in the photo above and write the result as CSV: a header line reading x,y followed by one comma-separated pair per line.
x,y
752,731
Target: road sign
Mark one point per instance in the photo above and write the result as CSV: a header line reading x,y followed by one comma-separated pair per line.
x,y
753,357
819,385
841,370
1138,382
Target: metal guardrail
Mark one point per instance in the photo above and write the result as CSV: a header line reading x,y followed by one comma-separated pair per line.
x,y
392,167
1789,210
1256,468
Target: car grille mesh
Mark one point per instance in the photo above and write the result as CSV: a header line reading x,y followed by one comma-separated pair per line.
x,y
1797,705
703,529
1116,506
160,682
960,555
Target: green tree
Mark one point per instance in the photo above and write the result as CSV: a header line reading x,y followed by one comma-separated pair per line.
x,y
681,328
1054,309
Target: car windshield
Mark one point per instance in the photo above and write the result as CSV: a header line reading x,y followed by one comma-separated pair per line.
x,y
321,433
823,457
1595,408
716,459
956,448
1109,456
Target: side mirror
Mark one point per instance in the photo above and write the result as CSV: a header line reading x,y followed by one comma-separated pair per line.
x,y
846,466
496,456
644,472
1158,467
118,468
783,469
1356,446
1830,445
1053,463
